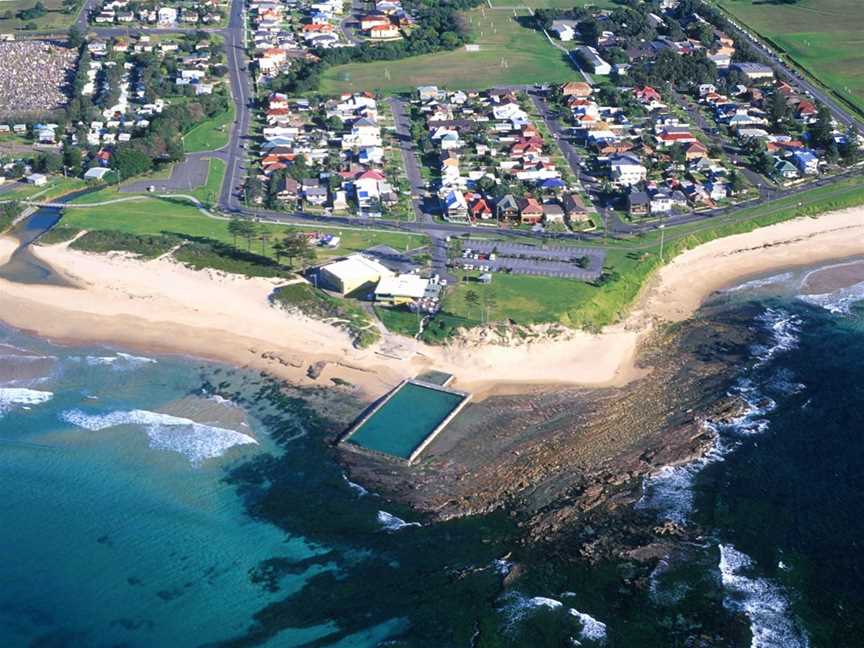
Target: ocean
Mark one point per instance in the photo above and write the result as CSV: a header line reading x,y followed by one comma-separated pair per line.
x,y
165,501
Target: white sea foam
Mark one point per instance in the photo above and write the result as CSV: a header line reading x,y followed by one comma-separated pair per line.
x,y
591,628
13,397
784,328
502,566
764,603
759,283
357,488
840,301
119,361
516,606
392,523
221,400
195,441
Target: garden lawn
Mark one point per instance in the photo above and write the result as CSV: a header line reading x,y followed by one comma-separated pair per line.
x,y
509,54
825,37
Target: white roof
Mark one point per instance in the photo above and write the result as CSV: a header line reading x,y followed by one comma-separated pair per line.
x,y
358,266
96,173
405,285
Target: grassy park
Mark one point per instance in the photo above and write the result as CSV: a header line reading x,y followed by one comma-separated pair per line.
x,y
825,37
509,54
209,193
175,217
211,134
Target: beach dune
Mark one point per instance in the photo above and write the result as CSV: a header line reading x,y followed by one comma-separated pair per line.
x,y
163,307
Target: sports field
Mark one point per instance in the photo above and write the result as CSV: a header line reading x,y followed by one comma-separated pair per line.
x,y
55,17
826,37
509,54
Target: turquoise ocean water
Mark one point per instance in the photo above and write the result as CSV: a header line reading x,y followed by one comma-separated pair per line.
x,y
170,502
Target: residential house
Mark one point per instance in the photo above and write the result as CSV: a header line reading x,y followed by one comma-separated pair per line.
x,y
574,208
806,162
507,208
530,211
455,206
591,59
553,213
626,169
565,30
638,203
576,89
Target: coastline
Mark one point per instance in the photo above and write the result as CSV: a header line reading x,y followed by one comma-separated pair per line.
x,y
163,307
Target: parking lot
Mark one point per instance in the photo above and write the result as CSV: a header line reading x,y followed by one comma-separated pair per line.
x,y
547,261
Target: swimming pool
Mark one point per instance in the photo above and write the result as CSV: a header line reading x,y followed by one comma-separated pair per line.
x,y
407,420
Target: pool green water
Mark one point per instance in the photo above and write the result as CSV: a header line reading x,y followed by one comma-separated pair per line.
x,y
403,422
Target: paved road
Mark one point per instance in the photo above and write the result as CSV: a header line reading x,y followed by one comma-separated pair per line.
x,y
241,90
349,25
410,160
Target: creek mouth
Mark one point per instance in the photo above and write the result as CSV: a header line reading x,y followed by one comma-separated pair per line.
x,y
25,267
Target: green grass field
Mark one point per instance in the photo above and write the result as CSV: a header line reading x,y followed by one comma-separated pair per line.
x,y
509,54
209,193
55,187
55,19
152,216
825,37
211,134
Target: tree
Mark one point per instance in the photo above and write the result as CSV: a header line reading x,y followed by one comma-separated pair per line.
x,y
778,108
821,131
589,30
471,298
236,228
72,159
264,237
736,182
130,161
75,38
295,245
249,231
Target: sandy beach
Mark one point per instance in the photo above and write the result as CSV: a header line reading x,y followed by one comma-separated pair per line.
x,y
163,307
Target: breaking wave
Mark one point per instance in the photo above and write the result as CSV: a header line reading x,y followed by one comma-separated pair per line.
x,y
840,301
118,361
392,523
14,397
669,491
759,283
764,603
195,441
517,606
591,628
357,488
